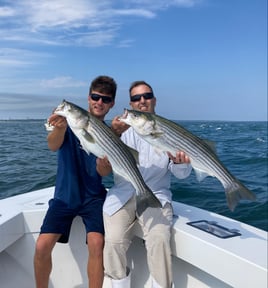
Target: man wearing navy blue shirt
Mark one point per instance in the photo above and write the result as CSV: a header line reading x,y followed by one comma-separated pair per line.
x,y
78,191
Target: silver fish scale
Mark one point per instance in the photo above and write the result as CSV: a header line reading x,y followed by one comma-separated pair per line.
x,y
110,145
188,144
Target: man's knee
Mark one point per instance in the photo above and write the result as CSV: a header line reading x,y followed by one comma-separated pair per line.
x,y
45,244
95,242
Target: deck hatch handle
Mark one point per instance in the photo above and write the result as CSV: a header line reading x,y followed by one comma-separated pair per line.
x,y
215,229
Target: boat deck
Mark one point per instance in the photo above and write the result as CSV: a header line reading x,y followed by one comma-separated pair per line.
x,y
200,259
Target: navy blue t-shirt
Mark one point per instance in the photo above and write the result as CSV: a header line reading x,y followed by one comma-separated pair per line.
x,y
77,181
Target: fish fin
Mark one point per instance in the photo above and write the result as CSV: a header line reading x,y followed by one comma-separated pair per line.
x,y
81,147
145,200
157,134
211,145
135,154
49,127
235,192
88,136
200,175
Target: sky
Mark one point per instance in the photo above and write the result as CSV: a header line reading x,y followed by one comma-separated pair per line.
x,y
205,59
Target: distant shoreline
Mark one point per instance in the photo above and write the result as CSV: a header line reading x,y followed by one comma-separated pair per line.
x,y
41,119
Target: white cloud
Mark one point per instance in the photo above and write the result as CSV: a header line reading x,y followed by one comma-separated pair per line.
x,y
162,4
63,22
13,101
97,38
28,27
23,106
125,43
64,13
20,57
6,12
135,12
62,82
13,62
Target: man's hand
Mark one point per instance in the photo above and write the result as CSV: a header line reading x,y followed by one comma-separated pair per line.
x,y
103,167
180,157
57,121
118,127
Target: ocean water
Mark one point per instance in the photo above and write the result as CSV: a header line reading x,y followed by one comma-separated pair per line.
x,y
26,164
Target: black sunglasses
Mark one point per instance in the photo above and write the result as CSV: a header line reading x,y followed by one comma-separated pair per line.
x,y
105,99
146,96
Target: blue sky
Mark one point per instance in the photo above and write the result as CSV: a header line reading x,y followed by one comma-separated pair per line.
x,y
206,59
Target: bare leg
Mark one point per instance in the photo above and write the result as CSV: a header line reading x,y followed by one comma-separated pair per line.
x,y
42,258
95,260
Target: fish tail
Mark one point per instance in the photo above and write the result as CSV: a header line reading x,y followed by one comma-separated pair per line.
x,y
235,192
145,200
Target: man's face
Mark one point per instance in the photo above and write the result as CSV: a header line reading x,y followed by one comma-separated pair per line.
x,y
100,104
145,101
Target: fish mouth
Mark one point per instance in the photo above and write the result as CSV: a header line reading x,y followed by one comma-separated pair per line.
x,y
124,115
58,110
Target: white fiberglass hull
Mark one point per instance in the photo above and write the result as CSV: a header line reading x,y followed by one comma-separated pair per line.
x,y
200,259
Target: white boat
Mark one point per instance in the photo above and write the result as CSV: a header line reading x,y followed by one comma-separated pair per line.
x,y
235,257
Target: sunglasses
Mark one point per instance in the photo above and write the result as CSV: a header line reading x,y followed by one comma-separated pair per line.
x,y
105,99
146,96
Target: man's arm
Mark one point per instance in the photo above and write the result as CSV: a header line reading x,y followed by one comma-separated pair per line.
x,y
56,137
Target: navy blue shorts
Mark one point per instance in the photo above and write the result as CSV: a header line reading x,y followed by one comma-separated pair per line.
x,y
59,218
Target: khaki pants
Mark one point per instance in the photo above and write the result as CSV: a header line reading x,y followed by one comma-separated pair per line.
x,y
156,224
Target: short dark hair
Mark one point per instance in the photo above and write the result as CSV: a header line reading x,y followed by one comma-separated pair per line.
x,y
105,85
138,83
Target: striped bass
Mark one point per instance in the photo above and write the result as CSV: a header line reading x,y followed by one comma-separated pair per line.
x,y
97,138
171,137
